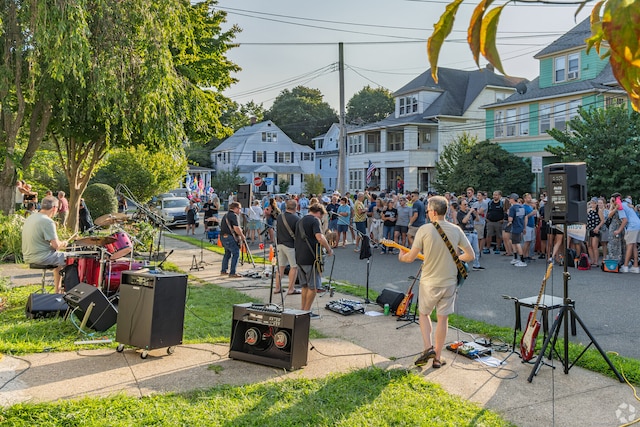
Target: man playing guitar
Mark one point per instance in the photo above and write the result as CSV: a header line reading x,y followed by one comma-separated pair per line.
x,y
438,278
231,237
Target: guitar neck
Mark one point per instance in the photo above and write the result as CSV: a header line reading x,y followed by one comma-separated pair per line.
x,y
544,282
392,244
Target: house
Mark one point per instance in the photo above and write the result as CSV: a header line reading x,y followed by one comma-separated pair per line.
x,y
404,147
569,78
264,150
326,146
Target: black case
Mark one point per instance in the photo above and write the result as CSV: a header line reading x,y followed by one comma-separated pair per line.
x,y
391,297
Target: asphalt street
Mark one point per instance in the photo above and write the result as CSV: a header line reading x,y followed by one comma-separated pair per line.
x,y
605,302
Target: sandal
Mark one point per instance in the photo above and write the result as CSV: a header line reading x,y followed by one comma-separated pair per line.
x,y
425,356
278,292
437,364
295,292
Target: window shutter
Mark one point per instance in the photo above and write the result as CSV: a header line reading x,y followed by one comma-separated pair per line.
x,y
293,157
254,157
275,157
264,157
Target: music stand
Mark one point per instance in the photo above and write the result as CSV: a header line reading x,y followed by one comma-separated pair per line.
x,y
567,309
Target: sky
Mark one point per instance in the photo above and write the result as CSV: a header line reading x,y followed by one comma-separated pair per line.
x,y
287,43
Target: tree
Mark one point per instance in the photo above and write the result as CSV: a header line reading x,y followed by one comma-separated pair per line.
x,y
616,24
144,173
369,105
226,182
482,165
313,184
302,114
608,141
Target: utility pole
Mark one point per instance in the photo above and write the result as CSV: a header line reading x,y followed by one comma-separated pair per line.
x,y
342,155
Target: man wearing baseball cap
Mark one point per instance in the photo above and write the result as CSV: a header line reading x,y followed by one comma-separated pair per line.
x,y
516,224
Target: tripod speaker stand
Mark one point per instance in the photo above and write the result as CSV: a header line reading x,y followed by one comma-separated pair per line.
x,y
562,321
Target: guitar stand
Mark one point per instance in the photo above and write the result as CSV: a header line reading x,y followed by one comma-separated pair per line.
x,y
202,262
567,309
410,318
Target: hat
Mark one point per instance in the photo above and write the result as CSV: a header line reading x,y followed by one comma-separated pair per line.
x,y
514,196
616,194
594,199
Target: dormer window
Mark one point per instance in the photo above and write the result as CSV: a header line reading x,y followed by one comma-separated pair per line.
x,y
566,67
408,105
269,137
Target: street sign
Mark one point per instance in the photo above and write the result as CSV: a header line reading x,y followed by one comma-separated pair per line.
x,y
257,181
536,164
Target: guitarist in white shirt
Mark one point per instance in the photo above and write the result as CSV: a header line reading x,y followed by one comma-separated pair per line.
x,y
438,278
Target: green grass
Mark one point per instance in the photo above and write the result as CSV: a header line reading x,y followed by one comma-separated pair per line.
x,y
366,397
213,247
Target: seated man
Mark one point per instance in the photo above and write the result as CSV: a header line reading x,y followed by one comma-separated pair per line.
x,y
40,243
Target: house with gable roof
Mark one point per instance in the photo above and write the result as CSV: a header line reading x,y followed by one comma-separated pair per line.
x,y
264,150
569,78
428,116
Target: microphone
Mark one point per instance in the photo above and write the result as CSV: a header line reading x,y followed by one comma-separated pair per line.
x,y
165,258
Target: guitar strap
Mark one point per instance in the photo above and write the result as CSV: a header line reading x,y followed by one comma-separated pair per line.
x,y
463,271
233,232
286,225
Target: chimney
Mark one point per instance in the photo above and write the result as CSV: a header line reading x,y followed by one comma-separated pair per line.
x,y
491,68
253,119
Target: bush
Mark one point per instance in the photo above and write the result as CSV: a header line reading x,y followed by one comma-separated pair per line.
x,y
100,199
11,237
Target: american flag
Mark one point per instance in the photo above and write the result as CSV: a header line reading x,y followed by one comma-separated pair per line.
x,y
370,171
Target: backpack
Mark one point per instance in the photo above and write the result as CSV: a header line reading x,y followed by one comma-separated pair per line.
x,y
583,262
495,212
570,257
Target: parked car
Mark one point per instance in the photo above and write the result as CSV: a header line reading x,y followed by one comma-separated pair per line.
x,y
172,210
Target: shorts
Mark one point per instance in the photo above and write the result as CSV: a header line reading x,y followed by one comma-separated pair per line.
x,y
494,229
412,231
631,236
286,256
54,258
479,230
402,229
361,226
309,277
529,234
342,228
254,224
441,298
516,238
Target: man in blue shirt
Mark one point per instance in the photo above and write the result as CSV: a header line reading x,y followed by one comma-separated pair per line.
x,y
631,224
418,216
516,223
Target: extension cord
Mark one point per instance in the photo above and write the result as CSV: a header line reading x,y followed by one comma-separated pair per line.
x,y
104,341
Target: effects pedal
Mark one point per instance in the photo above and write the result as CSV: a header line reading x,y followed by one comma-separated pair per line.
x,y
456,345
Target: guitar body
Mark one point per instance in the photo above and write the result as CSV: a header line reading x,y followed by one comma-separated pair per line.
x,y
405,303
528,341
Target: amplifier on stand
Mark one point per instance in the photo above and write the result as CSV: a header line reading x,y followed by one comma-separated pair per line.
x,y
268,336
151,310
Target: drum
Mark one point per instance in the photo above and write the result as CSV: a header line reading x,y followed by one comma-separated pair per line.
x,y
114,271
121,247
88,267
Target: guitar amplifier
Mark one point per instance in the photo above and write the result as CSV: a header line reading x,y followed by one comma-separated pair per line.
x,y
270,336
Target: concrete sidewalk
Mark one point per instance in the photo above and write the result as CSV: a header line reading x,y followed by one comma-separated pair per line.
x,y
553,398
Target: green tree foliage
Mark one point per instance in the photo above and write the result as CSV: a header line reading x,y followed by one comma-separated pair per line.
x,y
144,173
313,184
369,105
101,200
226,182
482,165
608,141
302,114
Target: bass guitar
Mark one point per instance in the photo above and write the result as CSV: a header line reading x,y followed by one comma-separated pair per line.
x,y
528,341
392,244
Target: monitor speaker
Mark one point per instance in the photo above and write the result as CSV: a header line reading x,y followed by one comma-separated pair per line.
x,y
566,193
103,314
45,305
268,336
244,195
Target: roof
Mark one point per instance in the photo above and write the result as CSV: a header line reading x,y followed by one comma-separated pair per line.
x,y
271,168
574,38
603,82
459,89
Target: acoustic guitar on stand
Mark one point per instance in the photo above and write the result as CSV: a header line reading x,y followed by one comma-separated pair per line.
x,y
392,244
528,341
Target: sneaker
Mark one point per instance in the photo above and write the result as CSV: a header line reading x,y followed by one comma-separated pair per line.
x,y
515,261
634,270
624,269
314,316
520,264
478,268
425,356
486,251
542,256
497,252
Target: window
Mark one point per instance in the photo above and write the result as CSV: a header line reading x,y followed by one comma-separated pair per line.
x,y
615,101
373,143
408,105
395,141
566,67
511,122
283,156
259,157
319,144
355,179
560,115
501,96
320,164
269,137
523,118
355,144
545,117
306,156
424,137
574,106
499,124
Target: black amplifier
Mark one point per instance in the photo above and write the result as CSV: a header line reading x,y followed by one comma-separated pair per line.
x,y
270,336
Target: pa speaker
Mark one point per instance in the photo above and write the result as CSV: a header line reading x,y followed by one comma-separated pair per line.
x,y
566,192
391,297
103,314
272,337
244,195
45,305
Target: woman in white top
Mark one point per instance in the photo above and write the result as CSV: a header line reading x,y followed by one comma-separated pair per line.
x,y
255,221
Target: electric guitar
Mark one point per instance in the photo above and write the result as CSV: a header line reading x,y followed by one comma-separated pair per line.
x,y
528,341
404,305
392,244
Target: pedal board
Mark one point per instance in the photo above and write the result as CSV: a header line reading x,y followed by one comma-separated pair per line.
x,y
345,307
469,349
